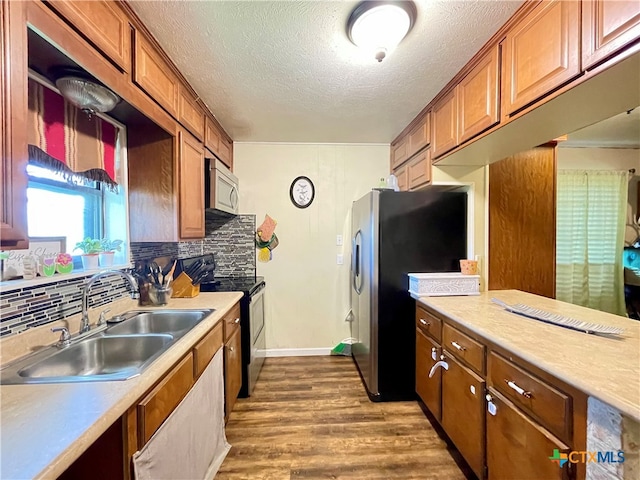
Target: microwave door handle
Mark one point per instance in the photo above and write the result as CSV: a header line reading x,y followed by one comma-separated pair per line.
x,y
234,205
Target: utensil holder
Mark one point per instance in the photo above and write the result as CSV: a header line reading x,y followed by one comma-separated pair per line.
x,y
182,287
159,295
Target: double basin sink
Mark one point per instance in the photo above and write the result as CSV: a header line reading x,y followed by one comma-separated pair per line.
x,y
119,352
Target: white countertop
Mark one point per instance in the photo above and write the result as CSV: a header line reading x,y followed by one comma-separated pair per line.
x,y
607,368
45,428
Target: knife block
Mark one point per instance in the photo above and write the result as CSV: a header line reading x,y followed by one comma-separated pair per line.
x,y
182,287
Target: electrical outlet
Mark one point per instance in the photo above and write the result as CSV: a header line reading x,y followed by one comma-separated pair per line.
x,y
340,259
339,240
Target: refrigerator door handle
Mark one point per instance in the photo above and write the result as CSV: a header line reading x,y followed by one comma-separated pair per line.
x,y
357,279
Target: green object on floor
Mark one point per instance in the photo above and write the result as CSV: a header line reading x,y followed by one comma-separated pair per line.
x,y
343,348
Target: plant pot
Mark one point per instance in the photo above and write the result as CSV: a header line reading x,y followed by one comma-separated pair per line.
x,y
106,259
90,262
64,268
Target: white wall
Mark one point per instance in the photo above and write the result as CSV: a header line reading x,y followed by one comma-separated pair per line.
x,y
307,295
477,176
607,159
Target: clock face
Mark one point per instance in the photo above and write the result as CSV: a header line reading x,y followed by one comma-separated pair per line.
x,y
302,192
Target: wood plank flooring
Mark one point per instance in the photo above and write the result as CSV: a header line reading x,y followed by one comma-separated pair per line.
x,y
310,418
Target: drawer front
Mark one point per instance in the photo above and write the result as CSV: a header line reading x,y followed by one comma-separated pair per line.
x,y
158,405
463,347
399,153
517,446
550,406
463,412
204,351
429,324
428,388
231,321
190,114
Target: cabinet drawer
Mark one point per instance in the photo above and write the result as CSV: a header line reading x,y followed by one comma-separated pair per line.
x,y
516,445
550,406
428,389
399,153
463,412
463,347
429,324
204,351
158,405
190,114
231,321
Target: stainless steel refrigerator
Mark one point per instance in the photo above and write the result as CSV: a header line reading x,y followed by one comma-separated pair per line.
x,y
393,234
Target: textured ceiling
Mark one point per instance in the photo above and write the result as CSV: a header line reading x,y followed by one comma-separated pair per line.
x,y
286,72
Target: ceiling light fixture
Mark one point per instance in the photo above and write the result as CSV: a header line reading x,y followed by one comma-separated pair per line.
x,y
85,93
378,27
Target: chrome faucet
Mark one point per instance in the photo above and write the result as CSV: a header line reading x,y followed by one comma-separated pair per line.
x,y
84,326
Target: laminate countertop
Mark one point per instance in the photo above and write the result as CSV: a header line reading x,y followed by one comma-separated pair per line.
x,y
46,427
604,367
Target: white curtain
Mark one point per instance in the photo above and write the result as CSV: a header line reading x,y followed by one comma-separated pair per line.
x,y
591,217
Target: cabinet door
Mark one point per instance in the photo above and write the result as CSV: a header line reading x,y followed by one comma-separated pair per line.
x,y
401,175
478,97
104,24
445,125
154,76
399,153
420,136
191,168
224,152
517,447
607,26
211,136
13,115
463,412
428,389
541,52
419,170
232,371
190,114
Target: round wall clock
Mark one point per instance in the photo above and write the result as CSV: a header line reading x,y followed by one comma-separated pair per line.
x,y
302,192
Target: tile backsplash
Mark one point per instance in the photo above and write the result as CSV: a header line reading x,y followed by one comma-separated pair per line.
x,y
230,238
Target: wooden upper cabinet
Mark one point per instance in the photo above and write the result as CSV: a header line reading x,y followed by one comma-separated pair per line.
x,y
191,168
420,135
403,180
478,95
154,76
541,53
13,121
419,170
211,135
445,125
399,153
190,114
607,26
104,24
225,152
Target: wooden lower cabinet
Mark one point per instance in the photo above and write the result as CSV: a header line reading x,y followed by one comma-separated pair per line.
x,y
232,371
517,447
463,412
428,389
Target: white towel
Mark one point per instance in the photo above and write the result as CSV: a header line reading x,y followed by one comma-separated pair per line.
x,y
191,444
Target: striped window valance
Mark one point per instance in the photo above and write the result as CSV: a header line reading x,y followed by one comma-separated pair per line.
x,y
65,139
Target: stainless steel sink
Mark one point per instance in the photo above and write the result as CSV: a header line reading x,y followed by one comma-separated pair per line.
x,y
120,352
174,322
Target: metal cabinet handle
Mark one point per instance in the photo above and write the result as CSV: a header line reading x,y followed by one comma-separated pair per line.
x,y
236,321
424,322
437,365
433,350
458,346
231,349
519,390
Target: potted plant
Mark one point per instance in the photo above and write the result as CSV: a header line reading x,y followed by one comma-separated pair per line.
x,y
91,248
109,248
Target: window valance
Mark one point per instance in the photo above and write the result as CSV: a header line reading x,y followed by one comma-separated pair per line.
x,y
65,139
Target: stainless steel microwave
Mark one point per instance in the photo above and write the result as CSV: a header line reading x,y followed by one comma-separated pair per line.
x,y
220,188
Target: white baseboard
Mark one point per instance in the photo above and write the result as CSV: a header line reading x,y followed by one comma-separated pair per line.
x,y
297,352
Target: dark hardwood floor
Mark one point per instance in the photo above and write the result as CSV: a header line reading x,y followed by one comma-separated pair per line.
x,y
310,418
